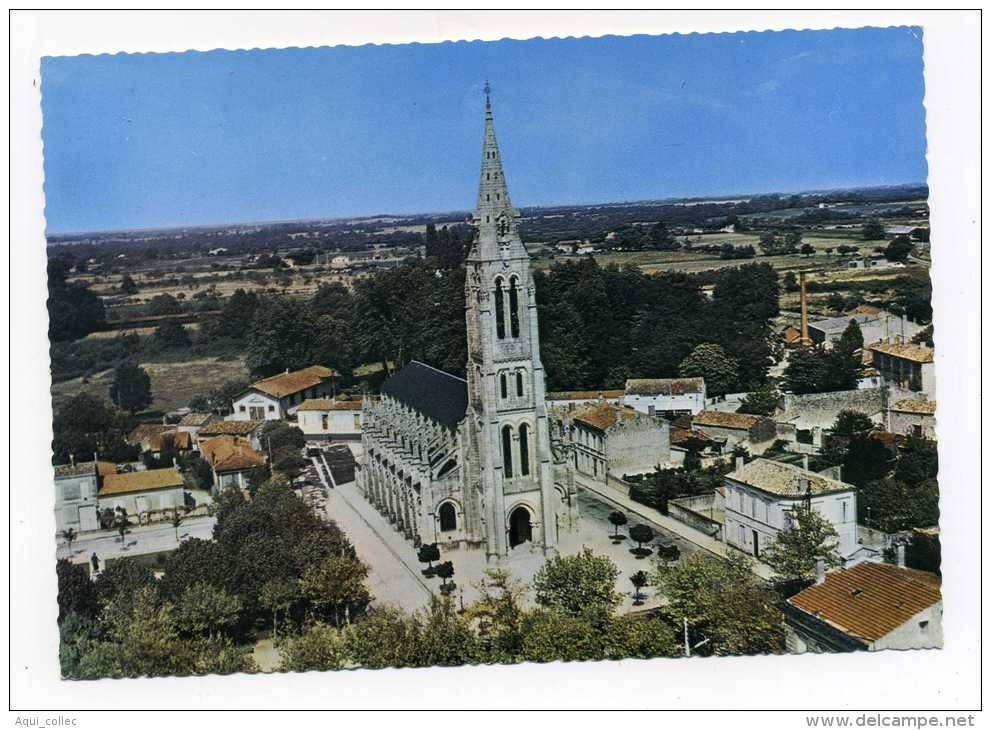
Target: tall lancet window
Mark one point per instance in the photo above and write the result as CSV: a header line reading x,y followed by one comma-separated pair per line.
x,y
514,307
524,450
507,451
500,310
519,383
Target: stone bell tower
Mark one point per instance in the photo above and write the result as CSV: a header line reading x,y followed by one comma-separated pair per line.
x,y
507,415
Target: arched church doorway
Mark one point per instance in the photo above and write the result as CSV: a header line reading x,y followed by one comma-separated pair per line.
x,y
520,529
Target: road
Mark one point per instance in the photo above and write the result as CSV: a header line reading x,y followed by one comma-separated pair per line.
x,y
141,540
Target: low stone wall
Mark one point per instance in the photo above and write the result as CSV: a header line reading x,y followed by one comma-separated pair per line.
x,y
690,511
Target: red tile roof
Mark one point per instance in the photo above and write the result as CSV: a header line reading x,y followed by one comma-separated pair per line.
x,y
869,600
288,383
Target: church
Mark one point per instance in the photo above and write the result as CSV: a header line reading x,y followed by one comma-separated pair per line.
x,y
471,463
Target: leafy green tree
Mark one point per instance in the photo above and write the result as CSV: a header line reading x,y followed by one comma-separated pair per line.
x,y
641,534
761,402
319,648
710,361
550,636
69,535
122,524
176,522
808,249
639,581
582,585
206,610
222,399
808,539
792,241
617,519
790,281
428,553
899,248
170,335
498,615
279,594
923,553
386,637
280,436
75,590
280,336
131,388
121,580
723,602
336,583
127,285
74,310
873,230
445,571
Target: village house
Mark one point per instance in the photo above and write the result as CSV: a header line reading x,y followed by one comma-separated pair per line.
x,y
612,439
666,396
276,398
143,492
191,423
232,459
914,417
874,327
867,607
905,366
761,495
76,488
728,430
251,431
325,418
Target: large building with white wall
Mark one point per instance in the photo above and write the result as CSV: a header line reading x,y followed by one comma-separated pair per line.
x,y
666,396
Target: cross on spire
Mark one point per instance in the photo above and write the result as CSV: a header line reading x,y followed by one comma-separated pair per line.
x,y
488,90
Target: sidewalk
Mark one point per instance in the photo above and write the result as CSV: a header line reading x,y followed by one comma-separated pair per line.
x,y
392,579
651,515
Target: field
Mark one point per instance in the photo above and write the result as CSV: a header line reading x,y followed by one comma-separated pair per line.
x,y
173,384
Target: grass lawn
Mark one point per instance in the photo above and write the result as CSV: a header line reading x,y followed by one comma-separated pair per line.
x,y
173,384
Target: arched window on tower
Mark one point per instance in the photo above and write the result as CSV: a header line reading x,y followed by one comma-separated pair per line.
x,y
514,306
500,310
524,450
448,517
519,383
507,451
503,389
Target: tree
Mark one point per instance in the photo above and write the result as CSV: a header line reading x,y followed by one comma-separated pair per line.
x,y
710,361
873,230
162,304
170,335
617,519
498,615
770,243
280,436
318,649
127,285
69,535
761,402
790,281
131,388
222,400
808,539
176,522
641,534
639,580
280,336
278,594
205,609
74,310
445,571
121,523
808,249
428,553
899,248
337,582
581,585
76,593
724,602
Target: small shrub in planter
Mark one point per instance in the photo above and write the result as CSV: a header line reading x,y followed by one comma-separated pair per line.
x,y
428,553
641,534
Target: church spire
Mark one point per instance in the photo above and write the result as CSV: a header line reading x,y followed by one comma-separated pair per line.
x,y
494,217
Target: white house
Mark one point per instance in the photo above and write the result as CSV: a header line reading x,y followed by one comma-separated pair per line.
x,y
324,418
671,396
277,397
905,366
574,398
867,607
76,488
761,495
142,492
614,439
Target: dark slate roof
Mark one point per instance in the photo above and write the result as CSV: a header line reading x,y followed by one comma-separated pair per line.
x,y
440,396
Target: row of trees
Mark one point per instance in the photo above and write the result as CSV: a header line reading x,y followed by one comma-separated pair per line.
x,y
818,370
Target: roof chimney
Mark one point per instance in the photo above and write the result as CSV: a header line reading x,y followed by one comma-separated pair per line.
x,y
805,462
900,552
820,571
72,459
740,462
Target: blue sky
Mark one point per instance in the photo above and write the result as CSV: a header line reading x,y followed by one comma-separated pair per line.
x,y
145,140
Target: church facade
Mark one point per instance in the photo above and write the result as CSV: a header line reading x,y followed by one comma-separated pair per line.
x,y
471,463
